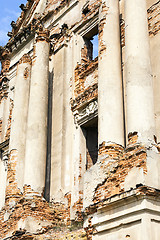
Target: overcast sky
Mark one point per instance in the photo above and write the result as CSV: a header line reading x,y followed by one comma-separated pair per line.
x,y
9,11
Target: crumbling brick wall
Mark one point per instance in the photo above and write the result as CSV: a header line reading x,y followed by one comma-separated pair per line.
x,y
29,205
7,136
20,206
154,19
135,155
82,71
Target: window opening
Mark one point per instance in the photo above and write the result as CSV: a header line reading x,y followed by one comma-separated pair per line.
x,y
85,11
94,41
90,131
91,44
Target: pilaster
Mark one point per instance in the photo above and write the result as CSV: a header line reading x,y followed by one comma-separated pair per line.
x,y
19,116
36,142
110,101
140,106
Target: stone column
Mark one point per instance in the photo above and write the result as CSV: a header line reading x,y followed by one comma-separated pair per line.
x,y
5,107
58,132
5,101
67,119
110,101
36,143
19,117
140,107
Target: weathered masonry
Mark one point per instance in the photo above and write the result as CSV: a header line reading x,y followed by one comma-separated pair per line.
x,y
79,133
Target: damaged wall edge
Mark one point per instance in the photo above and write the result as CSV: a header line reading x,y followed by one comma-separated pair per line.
x,y
79,136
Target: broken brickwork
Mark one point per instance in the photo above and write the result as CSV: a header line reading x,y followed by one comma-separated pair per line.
x,y
84,72
7,136
91,158
90,229
89,94
122,23
102,46
154,19
26,214
139,191
78,205
124,160
29,206
22,21
21,207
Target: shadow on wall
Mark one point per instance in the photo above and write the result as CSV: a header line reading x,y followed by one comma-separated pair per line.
x,y
49,136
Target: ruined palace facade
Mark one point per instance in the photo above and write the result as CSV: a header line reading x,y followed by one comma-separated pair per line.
x,y
80,134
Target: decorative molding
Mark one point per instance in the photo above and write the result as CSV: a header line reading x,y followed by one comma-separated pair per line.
x,y
5,86
5,157
26,73
4,144
4,148
88,21
25,59
12,73
87,96
42,34
83,115
53,20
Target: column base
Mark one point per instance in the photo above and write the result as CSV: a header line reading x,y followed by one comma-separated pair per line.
x,y
130,215
120,169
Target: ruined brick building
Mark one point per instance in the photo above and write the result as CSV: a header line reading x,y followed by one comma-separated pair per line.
x,y
80,152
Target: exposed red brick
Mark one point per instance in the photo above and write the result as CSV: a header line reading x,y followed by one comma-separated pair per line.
x,y
85,94
102,46
78,205
89,229
135,155
154,19
7,136
122,31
